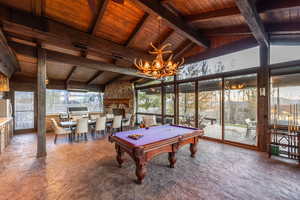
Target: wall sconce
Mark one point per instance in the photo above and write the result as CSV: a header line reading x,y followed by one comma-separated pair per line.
x,y
4,83
262,92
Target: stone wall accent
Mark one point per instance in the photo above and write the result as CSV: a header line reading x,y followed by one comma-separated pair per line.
x,y
120,90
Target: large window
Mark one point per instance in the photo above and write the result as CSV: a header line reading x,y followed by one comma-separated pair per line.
x,y
57,101
149,100
285,94
284,53
187,104
169,99
235,61
240,109
24,110
210,107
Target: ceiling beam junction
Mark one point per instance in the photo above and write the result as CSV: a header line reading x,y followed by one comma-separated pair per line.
x,y
248,10
174,22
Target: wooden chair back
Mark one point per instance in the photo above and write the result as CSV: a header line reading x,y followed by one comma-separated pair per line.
x,y
117,121
100,124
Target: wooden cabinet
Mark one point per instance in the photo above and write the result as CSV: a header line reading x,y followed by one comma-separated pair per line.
x,y
6,132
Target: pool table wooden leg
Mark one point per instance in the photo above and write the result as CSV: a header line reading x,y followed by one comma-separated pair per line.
x,y
193,149
120,154
172,159
140,170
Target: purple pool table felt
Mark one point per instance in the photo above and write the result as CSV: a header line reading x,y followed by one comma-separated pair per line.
x,y
154,134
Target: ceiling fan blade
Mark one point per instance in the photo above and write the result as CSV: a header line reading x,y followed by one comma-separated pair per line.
x,y
118,1
92,4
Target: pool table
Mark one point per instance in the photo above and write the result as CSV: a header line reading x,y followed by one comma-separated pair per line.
x,y
156,140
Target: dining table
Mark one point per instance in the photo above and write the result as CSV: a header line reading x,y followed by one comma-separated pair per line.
x,y
72,124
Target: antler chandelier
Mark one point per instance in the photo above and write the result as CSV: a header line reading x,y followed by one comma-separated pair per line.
x,y
159,67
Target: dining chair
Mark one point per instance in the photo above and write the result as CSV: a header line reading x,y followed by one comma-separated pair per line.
x,y
76,117
82,128
59,130
149,120
126,124
100,125
116,124
109,116
94,116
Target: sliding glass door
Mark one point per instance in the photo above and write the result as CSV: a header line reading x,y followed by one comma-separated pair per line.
x,y
210,107
240,109
186,108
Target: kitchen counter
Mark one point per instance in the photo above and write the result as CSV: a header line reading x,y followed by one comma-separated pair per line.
x,y
6,132
4,120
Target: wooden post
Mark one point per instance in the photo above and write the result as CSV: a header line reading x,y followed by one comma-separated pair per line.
x,y
196,104
176,116
263,101
41,106
163,104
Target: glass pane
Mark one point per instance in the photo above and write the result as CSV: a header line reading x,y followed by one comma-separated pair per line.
x,y
187,104
285,92
169,99
210,102
169,120
57,101
24,110
284,53
243,59
240,109
149,100
140,118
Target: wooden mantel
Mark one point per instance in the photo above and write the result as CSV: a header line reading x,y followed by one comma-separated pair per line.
x,y
108,102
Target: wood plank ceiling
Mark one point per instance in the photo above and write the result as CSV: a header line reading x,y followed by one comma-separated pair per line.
x,y
133,24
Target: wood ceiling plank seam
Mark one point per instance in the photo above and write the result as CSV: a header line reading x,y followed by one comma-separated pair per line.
x,y
139,27
96,22
69,77
176,23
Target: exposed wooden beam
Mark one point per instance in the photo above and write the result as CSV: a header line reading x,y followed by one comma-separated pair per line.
x,y
75,60
175,22
272,29
171,8
225,49
69,77
248,10
8,58
184,47
97,18
212,15
136,80
276,5
94,77
56,34
166,38
139,27
114,79
41,103
262,6
38,7
21,82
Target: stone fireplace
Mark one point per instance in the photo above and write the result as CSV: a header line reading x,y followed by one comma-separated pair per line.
x,y
119,95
